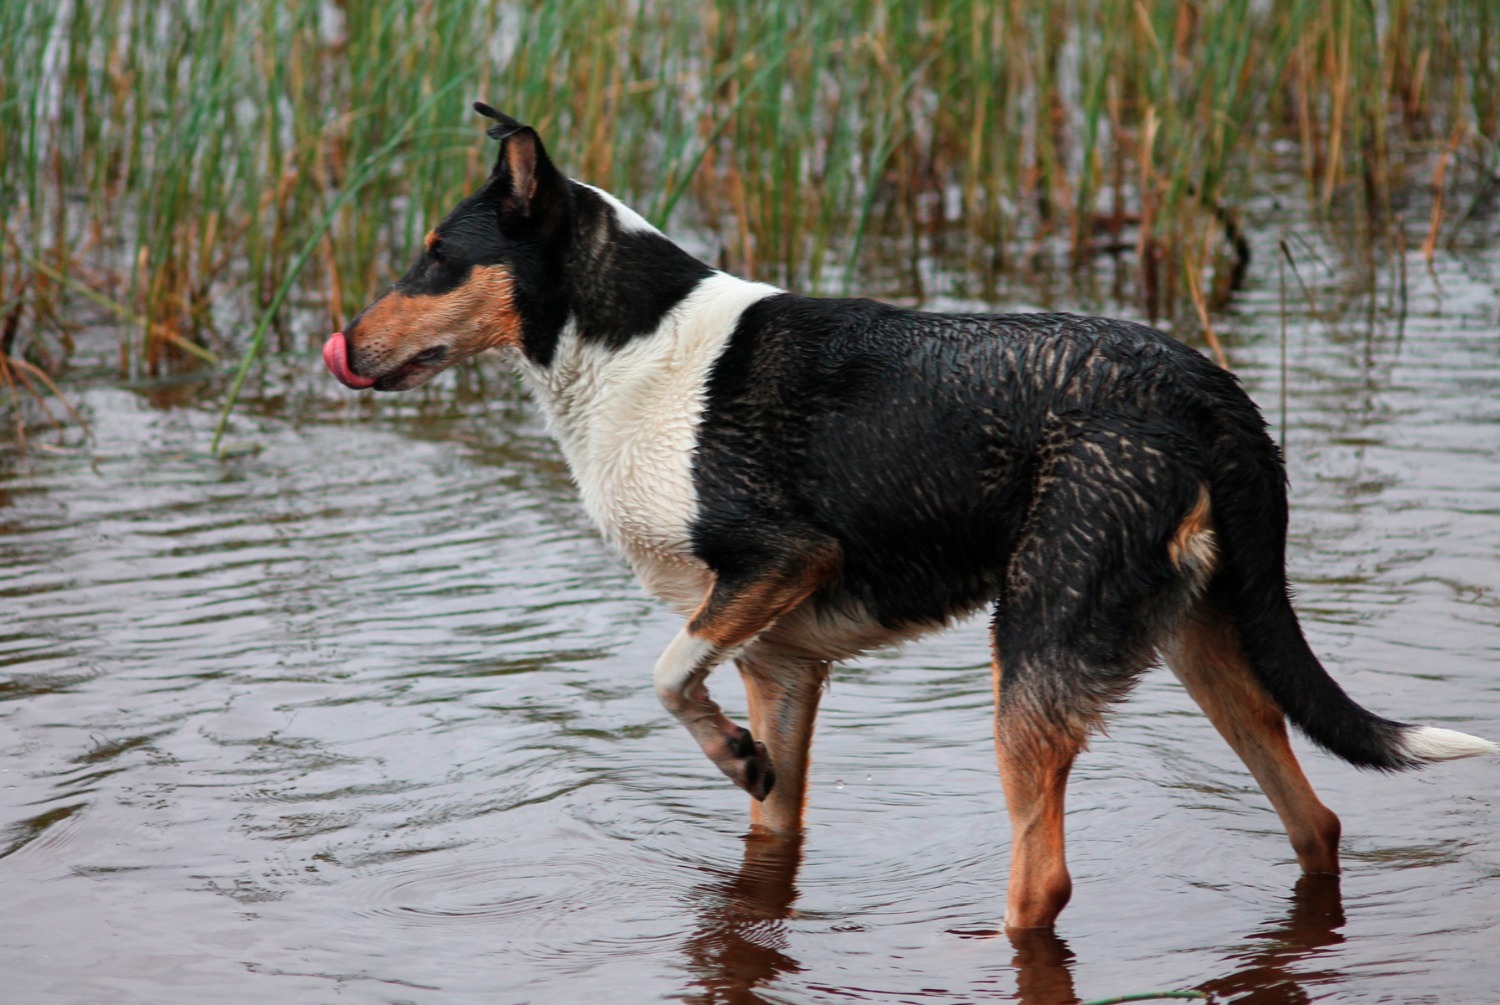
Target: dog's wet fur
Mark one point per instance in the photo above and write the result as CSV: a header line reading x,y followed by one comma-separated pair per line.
x,y
807,479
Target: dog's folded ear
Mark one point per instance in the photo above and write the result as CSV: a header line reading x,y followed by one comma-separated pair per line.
x,y
530,193
505,125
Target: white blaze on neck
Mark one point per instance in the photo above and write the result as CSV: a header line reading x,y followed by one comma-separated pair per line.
x,y
628,419
628,218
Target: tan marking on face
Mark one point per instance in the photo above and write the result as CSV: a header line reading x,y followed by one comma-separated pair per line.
x,y
430,239
478,315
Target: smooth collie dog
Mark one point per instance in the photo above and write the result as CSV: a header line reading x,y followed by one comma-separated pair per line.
x,y
808,479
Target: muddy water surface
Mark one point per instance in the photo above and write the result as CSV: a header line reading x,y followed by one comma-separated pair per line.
x,y
365,716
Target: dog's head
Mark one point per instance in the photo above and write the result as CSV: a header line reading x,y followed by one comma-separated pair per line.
x,y
483,281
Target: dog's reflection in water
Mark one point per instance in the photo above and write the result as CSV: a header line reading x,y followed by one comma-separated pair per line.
x,y
1265,965
739,949
740,941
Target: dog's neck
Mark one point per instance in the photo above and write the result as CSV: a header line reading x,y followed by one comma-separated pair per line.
x,y
621,274
627,418
635,301
586,375
625,377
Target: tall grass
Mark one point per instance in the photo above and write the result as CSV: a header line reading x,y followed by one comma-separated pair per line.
x,y
193,163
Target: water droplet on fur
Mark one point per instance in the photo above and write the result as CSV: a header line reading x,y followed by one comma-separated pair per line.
x,y
839,785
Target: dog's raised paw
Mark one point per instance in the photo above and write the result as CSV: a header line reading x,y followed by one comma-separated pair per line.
x,y
743,745
749,764
760,773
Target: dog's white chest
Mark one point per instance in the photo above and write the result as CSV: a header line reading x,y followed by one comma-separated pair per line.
x,y
627,420
631,457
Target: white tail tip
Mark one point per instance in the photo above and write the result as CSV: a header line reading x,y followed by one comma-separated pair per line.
x,y
1429,743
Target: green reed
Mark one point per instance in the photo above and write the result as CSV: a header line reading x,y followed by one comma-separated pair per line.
x,y
192,164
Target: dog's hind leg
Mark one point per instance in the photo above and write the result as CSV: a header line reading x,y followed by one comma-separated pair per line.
x,y
783,694
1206,656
1087,588
737,609
1035,757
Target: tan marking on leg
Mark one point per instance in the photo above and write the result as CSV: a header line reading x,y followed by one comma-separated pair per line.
x,y
1206,656
1035,757
730,616
1193,542
732,619
783,698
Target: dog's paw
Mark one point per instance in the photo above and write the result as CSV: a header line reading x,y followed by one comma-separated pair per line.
x,y
742,745
750,766
760,773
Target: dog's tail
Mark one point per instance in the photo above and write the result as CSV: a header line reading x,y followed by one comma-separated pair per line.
x,y
1248,496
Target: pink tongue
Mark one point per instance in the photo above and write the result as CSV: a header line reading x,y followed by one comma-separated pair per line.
x,y
336,358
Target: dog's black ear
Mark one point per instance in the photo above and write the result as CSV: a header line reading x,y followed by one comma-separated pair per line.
x,y
529,191
505,125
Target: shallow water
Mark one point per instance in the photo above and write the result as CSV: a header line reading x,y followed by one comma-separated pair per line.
x,y
363,715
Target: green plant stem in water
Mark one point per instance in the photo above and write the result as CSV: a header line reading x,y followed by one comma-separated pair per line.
x,y
365,171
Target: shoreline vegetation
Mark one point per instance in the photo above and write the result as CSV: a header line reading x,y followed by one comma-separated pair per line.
x,y
197,168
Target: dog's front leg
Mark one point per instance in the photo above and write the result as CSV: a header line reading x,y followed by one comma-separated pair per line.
x,y
783,693
679,678
736,610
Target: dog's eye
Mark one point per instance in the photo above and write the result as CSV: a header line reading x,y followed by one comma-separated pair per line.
x,y
437,253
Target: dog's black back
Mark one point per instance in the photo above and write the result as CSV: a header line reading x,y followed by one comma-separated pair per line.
x,y
920,441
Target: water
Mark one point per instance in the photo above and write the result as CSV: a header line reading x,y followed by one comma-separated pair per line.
x,y
363,715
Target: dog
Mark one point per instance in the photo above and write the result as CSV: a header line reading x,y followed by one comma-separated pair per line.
x,y
805,480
